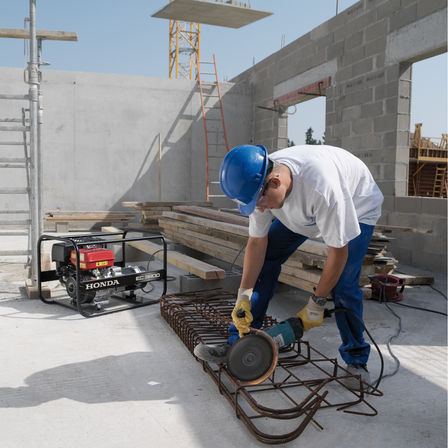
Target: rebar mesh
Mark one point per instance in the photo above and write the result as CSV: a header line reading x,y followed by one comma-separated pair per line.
x,y
304,381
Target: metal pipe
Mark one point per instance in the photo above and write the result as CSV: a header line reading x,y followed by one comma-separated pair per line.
x,y
33,81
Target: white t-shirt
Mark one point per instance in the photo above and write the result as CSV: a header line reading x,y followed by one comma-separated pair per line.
x,y
332,192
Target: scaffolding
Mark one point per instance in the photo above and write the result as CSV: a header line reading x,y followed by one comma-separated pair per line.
x,y
30,123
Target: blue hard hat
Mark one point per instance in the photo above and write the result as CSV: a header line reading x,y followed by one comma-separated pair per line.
x,y
242,174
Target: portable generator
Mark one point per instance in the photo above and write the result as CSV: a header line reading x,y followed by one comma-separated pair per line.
x,y
86,265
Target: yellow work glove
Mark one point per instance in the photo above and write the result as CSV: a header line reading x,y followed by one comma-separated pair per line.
x,y
242,304
312,314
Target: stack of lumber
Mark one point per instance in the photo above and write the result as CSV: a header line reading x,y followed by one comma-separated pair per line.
x,y
224,235
199,268
62,218
150,212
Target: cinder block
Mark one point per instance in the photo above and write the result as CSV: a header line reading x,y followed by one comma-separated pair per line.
x,y
384,123
403,122
389,141
386,90
375,78
393,73
362,67
387,187
335,50
376,46
354,40
371,141
362,126
388,8
344,74
380,60
389,203
434,206
403,17
410,204
427,7
351,113
402,154
351,56
377,29
360,97
401,187
361,22
341,129
391,105
372,110
404,105
319,32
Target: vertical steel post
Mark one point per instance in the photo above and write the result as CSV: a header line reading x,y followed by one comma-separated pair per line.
x,y
33,81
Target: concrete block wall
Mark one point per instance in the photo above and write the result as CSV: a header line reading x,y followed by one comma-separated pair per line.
x,y
100,138
367,51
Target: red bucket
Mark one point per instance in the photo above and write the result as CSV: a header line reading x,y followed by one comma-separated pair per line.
x,y
385,287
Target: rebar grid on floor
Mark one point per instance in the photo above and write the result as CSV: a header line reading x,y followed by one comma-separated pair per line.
x,y
304,381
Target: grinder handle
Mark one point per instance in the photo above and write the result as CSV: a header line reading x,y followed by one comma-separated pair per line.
x,y
241,313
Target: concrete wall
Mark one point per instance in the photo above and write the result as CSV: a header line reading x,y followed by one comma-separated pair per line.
x,y
100,138
367,51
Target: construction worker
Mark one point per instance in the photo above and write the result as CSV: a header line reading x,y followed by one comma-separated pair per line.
x,y
296,193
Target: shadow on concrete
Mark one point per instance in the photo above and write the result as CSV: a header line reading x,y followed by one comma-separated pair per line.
x,y
129,377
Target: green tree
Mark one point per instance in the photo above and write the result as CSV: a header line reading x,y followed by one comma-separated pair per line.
x,y
309,140
291,143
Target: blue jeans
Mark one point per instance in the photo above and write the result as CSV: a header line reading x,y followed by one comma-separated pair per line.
x,y
282,243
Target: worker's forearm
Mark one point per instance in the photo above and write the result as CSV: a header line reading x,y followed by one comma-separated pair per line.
x,y
253,261
337,257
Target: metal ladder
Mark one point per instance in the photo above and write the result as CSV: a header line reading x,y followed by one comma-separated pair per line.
x,y
216,143
16,221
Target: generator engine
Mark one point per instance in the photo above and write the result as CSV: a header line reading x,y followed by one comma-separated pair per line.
x,y
99,277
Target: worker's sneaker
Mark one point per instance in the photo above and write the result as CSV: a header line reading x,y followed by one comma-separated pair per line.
x,y
212,353
360,370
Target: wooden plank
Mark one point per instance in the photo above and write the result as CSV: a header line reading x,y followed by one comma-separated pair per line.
x,y
213,214
88,212
19,33
209,248
401,229
415,279
165,203
223,236
88,218
224,226
199,268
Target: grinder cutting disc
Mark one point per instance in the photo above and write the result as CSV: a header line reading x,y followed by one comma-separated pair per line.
x,y
252,358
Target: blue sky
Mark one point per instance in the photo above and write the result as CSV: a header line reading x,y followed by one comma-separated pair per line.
x,y
121,37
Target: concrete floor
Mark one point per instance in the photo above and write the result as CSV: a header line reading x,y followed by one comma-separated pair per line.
x,y
126,380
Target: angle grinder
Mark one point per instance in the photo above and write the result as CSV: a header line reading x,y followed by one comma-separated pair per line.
x,y
252,358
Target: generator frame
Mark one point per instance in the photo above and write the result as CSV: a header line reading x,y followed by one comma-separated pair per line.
x,y
46,276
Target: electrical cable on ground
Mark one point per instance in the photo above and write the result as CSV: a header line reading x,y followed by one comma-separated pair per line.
x,y
397,361
169,278
417,308
440,292
346,310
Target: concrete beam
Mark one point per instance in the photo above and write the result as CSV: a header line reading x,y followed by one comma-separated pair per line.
x,y
221,14
419,40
